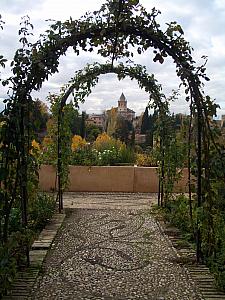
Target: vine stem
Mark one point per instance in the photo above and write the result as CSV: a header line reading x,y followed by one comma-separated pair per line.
x,y
189,160
23,179
59,162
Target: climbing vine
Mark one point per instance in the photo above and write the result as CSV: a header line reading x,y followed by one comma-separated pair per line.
x,y
119,29
80,87
113,28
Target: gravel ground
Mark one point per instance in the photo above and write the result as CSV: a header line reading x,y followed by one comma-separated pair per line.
x,y
109,200
112,254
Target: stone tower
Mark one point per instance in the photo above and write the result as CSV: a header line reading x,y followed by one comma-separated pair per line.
x,y
122,104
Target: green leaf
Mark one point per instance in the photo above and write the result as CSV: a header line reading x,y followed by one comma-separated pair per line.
x,y
3,174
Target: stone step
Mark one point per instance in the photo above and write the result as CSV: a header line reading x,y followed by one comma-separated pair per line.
x,y
214,297
200,274
22,286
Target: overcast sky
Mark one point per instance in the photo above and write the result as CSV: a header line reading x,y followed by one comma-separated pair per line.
x,y
203,22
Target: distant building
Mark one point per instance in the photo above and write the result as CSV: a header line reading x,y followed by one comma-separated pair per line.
x,y
97,119
223,121
123,110
140,138
220,123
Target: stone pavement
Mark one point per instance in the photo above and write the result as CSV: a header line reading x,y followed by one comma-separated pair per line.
x,y
111,247
109,200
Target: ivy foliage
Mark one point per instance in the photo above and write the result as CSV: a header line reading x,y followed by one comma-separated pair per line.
x,y
119,29
80,86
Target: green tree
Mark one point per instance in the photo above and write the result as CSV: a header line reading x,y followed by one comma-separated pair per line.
x,y
145,122
149,138
123,128
92,132
83,125
74,119
178,121
132,140
39,116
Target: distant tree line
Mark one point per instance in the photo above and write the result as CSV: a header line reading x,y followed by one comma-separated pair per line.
x,y
116,126
41,118
148,124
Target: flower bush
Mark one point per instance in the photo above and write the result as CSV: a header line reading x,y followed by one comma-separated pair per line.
x,y
112,151
105,151
106,157
83,157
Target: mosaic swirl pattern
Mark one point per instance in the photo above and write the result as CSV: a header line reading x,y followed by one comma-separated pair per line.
x,y
112,254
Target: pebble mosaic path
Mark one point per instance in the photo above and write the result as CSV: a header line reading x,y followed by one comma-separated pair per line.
x,y
110,249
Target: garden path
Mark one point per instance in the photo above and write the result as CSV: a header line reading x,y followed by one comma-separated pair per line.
x,y
111,247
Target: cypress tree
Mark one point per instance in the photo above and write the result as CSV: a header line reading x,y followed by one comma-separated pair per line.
x,y
82,127
145,122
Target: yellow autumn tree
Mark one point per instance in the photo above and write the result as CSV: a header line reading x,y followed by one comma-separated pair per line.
x,y
35,150
47,140
112,121
77,143
46,143
104,141
35,145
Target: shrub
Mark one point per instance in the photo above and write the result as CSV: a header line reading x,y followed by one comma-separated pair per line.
x,y
12,257
213,242
41,210
145,160
83,157
177,212
48,152
105,151
15,220
103,142
77,143
107,157
8,266
127,156
138,149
